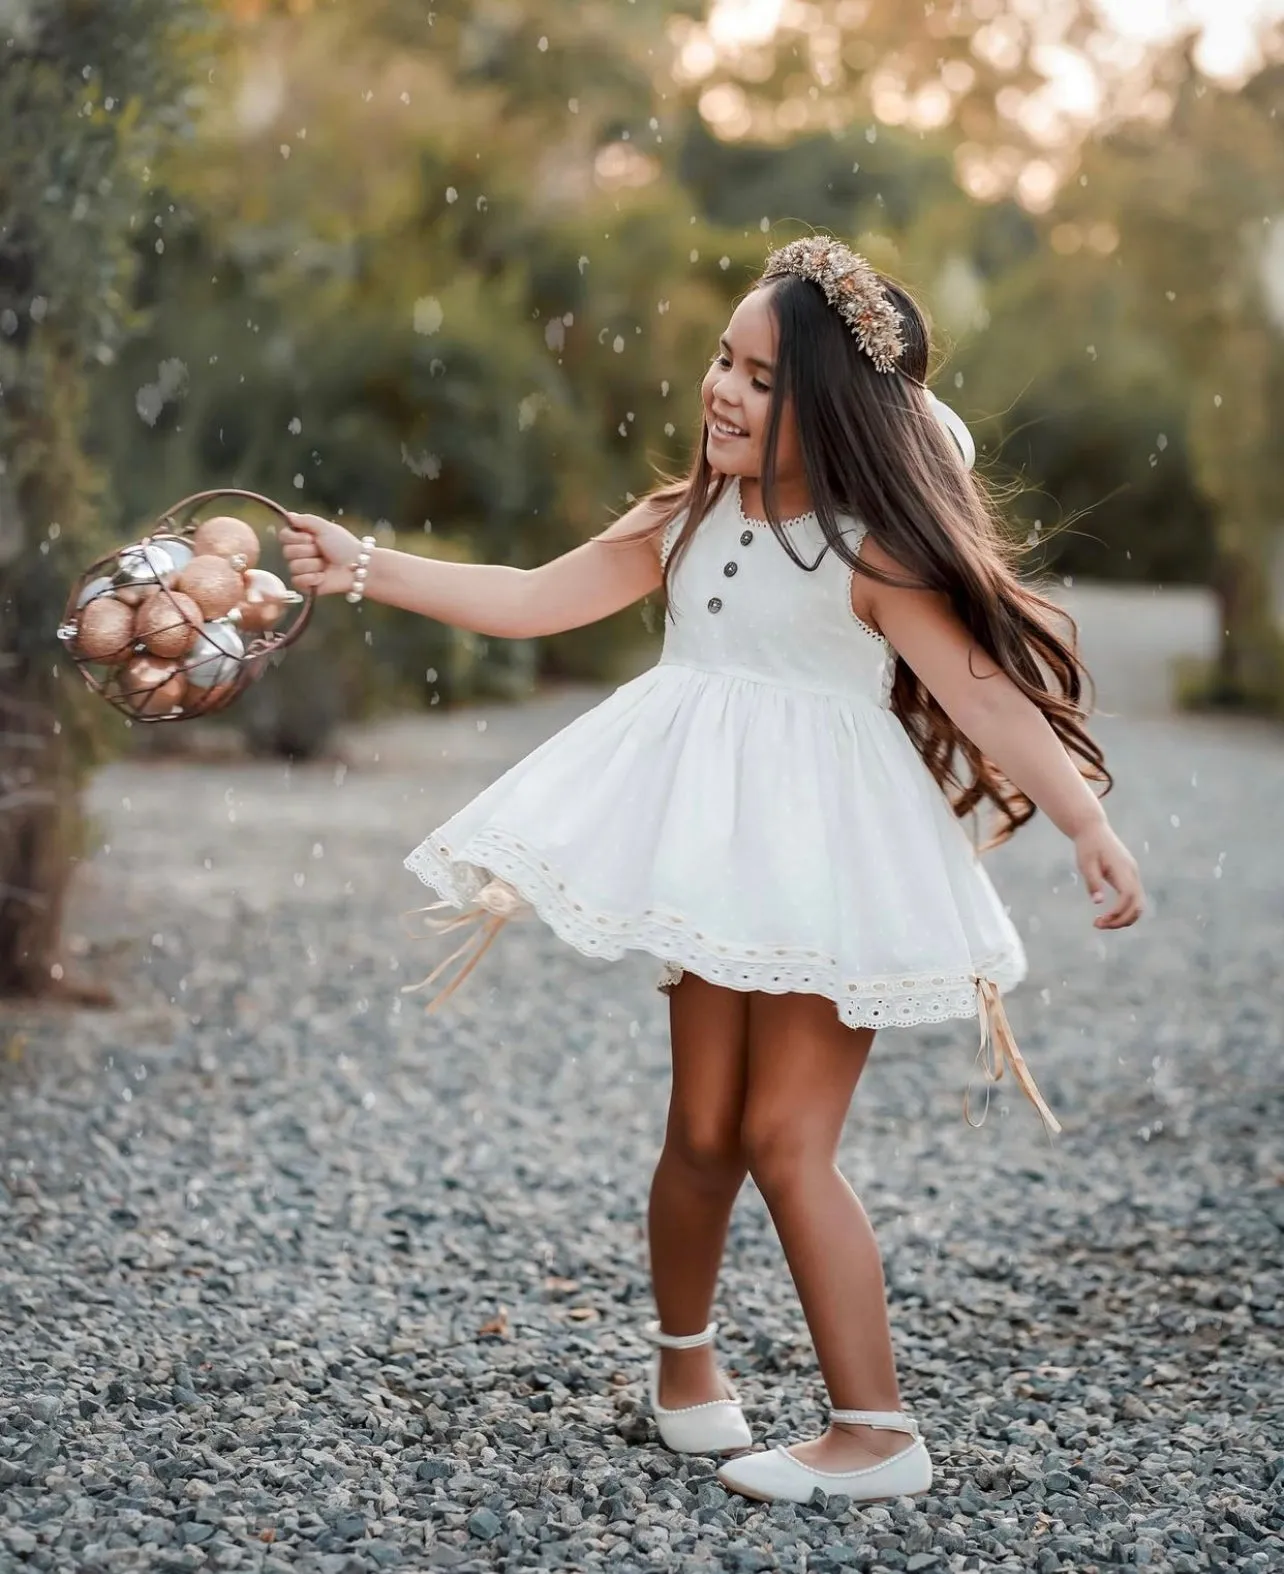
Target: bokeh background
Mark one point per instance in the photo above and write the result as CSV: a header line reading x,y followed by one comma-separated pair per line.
x,y
456,272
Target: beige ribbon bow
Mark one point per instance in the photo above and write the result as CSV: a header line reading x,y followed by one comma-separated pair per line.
x,y
999,1048
492,908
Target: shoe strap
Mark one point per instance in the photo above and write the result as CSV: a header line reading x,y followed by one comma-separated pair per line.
x,y
679,1341
880,1420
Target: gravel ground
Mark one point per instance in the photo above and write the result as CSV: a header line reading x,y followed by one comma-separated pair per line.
x,y
296,1279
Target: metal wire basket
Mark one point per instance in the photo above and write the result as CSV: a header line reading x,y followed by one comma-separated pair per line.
x,y
180,622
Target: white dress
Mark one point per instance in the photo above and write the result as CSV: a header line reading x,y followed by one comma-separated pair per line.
x,y
750,808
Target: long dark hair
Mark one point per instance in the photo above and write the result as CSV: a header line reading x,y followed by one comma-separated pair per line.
x,y
872,450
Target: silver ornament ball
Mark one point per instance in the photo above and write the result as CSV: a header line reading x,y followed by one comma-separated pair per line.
x,y
180,552
95,588
216,656
143,564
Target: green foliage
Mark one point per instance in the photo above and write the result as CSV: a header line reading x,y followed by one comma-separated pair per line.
x,y
87,96
1086,410
404,321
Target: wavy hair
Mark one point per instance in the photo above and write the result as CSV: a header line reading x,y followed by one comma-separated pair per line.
x,y
872,450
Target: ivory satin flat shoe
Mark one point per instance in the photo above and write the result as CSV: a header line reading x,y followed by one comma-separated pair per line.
x,y
716,1427
775,1476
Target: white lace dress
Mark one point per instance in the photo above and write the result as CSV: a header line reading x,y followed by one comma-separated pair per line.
x,y
750,808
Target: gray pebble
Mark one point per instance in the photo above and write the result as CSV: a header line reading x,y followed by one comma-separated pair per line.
x,y
485,1524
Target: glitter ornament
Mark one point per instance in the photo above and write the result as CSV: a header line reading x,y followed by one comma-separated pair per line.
x,y
168,623
266,598
216,656
104,631
229,538
151,687
212,583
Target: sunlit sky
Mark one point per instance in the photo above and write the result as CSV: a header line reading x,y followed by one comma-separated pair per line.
x,y
1227,27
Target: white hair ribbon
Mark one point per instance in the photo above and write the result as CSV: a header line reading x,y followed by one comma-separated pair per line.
x,y
956,426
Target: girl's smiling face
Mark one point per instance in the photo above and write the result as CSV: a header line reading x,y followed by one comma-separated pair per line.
x,y
737,396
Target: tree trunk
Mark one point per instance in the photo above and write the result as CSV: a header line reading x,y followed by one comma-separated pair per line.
x,y
1232,443
1249,670
51,733
38,832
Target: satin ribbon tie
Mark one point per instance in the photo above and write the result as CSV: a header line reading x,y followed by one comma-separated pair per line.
x,y
492,908
999,1049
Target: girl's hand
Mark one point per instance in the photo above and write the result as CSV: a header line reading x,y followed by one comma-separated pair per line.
x,y
1104,860
320,554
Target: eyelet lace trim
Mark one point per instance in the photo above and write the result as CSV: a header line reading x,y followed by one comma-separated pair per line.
x,y
901,1001
889,655
669,539
879,639
765,524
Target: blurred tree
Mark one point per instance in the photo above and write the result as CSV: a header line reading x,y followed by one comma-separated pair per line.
x,y
87,94
1074,397
877,65
1198,207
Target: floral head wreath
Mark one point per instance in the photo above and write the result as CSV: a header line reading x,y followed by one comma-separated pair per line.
x,y
851,287
856,293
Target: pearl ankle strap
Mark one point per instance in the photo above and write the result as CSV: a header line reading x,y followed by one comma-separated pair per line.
x,y
880,1420
679,1341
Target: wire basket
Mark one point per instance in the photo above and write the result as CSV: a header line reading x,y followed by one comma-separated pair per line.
x,y
180,622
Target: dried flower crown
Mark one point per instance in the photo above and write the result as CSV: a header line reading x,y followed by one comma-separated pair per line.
x,y
851,287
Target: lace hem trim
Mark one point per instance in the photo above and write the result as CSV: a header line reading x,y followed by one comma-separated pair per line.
x,y
902,1001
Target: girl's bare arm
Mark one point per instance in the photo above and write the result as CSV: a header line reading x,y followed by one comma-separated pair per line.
x,y
605,575
1008,728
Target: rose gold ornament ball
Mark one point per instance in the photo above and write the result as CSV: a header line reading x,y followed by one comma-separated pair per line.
x,y
105,630
151,687
266,598
212,583
227,537
168,623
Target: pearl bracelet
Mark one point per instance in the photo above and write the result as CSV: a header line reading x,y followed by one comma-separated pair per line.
x,y
359,571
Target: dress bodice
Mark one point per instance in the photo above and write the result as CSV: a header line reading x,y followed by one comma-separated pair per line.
x,y
741,606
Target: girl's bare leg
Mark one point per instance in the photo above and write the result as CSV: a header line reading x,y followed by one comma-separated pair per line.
x,y
700,1171
803,1068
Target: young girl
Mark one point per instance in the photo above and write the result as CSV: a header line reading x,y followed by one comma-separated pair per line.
x,y
772,811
